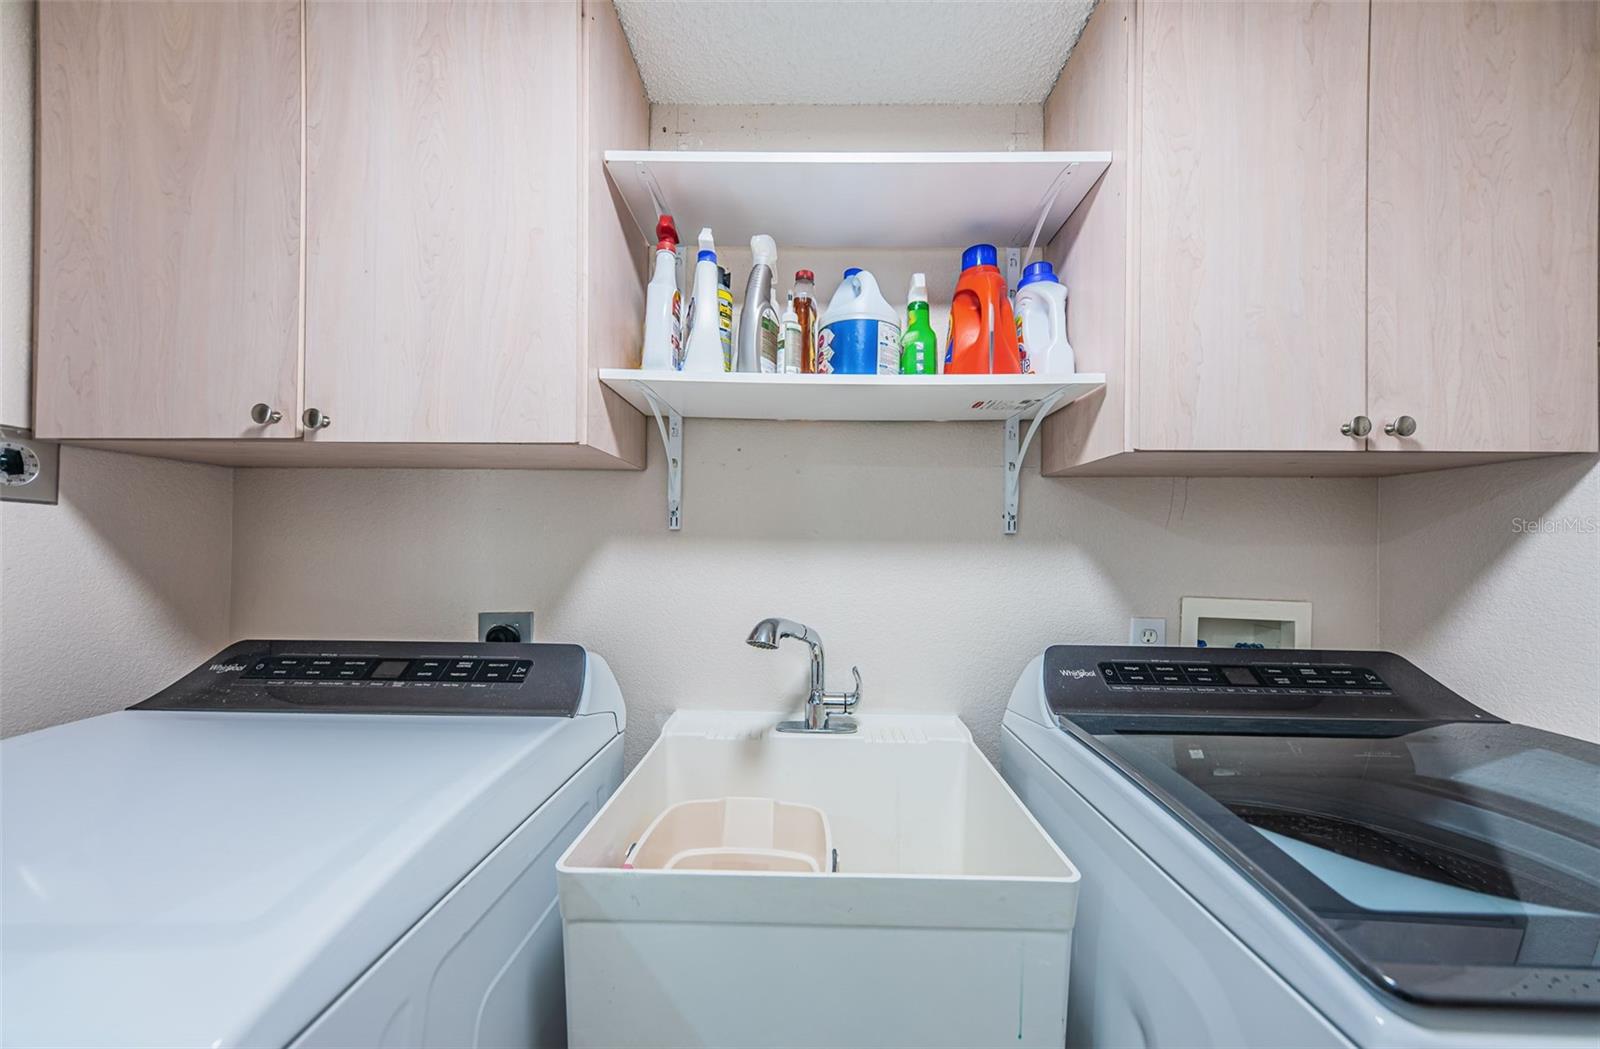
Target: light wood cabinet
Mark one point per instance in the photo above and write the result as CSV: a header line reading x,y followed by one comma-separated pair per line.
x,y
1484,187
168,219
1253,148
466,269
1265,260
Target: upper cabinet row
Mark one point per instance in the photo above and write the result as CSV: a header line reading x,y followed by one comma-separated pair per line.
x,y
380,228
1334,237
1325,217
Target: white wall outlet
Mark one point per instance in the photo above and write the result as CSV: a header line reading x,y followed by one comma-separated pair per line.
x,y
1147,631
505,626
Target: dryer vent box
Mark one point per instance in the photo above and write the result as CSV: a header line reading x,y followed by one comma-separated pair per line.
x,y
1229,622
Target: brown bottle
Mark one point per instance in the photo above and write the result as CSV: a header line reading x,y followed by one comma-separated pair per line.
x,y
805,311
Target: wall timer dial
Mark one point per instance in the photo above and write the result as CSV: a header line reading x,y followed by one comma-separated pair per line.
x,y
18,464
27,467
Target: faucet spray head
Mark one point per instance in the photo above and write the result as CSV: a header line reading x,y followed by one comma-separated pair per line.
x,y
765,635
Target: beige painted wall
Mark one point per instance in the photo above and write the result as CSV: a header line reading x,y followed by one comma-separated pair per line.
x,y
1489,579
854,128
106,596
885,538
116,591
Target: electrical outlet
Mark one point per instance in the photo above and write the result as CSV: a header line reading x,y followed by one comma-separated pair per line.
x,y
1147,631
505,626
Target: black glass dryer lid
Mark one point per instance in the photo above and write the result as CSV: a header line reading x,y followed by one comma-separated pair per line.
x,y
1445,855
1458,863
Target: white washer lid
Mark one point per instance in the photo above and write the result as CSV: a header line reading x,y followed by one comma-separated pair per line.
x,y
217,879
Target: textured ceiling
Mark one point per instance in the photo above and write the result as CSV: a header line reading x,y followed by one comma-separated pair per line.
x,y
838,52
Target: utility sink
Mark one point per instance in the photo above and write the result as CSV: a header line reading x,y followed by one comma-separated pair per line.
x,y
948,921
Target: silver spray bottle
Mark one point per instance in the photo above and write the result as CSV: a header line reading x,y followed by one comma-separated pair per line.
x,y
759,323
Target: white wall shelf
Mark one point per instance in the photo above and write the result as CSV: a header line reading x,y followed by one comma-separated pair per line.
x,y
857,200
670,397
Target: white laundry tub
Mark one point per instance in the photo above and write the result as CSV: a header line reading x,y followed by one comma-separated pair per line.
x,y
948,923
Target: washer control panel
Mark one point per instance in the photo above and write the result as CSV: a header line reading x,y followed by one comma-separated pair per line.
x,y
1261,679
1149,689
417,677
379,670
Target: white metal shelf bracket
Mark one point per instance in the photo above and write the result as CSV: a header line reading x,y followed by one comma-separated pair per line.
x,y
671,428
1015,448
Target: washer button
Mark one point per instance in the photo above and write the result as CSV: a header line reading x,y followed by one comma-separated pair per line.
x,y
461,670
426,669
495,670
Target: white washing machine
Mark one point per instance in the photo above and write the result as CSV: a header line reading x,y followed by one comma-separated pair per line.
x,y
314,843
1304,848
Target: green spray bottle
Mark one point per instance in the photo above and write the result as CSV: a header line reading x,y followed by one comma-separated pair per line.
x,y
919,347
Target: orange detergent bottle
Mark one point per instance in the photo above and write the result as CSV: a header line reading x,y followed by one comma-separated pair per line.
x,y
983,335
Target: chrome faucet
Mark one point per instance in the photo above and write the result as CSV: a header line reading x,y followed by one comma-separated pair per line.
x,y
819,717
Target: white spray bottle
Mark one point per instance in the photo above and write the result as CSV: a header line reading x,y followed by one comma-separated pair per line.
x,y
703,349
663,334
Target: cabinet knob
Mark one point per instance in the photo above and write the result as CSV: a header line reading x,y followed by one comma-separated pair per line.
x,y
315,419
1404,426
264,414
1360,426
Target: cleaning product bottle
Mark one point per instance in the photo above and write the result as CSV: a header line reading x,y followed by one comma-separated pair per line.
x,y
663,333
758,325
1042,322
725,316
983,334
860,331
805,310
919,346
703,349
789,346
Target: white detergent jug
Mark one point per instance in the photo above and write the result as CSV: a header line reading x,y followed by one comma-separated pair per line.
x,y
1041,312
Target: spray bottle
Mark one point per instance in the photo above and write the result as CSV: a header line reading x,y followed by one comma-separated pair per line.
x,y
759,324
663,332
919,354
703,349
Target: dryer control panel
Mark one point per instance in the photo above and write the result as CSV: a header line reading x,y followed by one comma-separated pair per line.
x,y
1280,678
1244,690
384,677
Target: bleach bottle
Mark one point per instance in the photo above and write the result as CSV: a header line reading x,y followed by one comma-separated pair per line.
x,y
1041,308
860,330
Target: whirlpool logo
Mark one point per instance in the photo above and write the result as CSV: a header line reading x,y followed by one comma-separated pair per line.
x,y
225,668
1075,672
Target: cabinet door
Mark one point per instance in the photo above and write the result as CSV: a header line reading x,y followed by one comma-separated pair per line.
x,y
442,225
1252,244
169,219
1485,174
